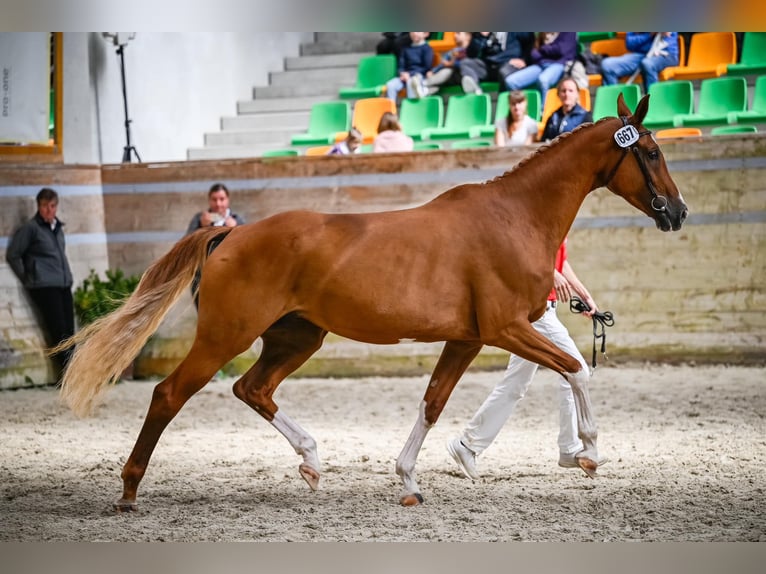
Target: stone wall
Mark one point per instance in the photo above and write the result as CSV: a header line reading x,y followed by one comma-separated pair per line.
x,y
695,295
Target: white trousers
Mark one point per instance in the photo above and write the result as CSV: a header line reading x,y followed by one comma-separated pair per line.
x,y
501,402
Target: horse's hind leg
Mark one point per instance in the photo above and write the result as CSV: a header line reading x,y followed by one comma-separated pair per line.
x,y
286,346
454,360
194,372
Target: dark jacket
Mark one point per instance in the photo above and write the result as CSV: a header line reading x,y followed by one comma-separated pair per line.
x,y
517,45
559,122
416,59
641,43
562,50
37,255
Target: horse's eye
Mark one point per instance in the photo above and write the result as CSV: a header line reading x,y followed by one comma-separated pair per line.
x,y
654,154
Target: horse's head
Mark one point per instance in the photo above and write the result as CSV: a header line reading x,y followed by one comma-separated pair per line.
x,y
640,175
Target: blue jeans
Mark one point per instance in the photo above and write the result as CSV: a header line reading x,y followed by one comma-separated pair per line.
x,y
395,84
543,76
614,68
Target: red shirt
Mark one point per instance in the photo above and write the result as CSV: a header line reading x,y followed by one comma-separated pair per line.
x,y
561,257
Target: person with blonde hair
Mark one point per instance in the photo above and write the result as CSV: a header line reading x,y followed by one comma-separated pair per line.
x,y
570,115
517,128
390,136
352,144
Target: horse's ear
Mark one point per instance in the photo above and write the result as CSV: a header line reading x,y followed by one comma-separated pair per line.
x,y
622,107
641,109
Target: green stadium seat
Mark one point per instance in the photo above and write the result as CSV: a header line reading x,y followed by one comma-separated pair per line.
x,y
426,146
502,108
415,115
718,98
326,119
739,129
757,112
753,58
280,153
465,117
464,144
587,37
605,102
371,77
667,100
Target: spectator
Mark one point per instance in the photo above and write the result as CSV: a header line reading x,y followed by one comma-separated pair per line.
x,y
497,408
218,214
37,256
553,51
492,55
648,53
218,211
448,70
390,135
518,128
352,144
570,115
414,62
392,43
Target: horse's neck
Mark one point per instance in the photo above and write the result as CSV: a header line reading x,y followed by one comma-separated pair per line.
x,y
551,187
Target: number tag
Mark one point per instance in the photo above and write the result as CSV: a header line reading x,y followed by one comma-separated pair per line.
x,y
626,136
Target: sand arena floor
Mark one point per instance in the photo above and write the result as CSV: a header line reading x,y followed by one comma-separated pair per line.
x,y
687,448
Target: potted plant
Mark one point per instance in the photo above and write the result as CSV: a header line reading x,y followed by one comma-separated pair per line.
x,y
95,297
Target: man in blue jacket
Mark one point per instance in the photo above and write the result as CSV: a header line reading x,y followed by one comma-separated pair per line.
x,y
37,256
648,52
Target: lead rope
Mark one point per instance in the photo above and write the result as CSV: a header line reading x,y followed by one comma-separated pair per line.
x,y
600,322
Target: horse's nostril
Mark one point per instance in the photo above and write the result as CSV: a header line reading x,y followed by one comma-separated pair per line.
x,y
684,213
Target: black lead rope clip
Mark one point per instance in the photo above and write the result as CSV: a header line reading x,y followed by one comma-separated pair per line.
x,y
600,322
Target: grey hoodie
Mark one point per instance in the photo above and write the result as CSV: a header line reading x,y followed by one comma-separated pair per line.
x,y
37,255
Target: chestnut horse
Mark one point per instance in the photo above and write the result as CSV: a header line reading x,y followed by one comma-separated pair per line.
x,y
472,267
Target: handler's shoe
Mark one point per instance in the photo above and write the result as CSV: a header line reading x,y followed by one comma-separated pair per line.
x,y
464,457
568,460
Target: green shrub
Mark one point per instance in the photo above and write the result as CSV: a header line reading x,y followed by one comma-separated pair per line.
x,y
96,298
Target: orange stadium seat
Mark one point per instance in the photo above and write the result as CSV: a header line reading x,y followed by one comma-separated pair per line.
x,y
678,132
710,54
366,117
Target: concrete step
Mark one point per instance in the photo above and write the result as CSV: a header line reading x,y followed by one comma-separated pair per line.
x,y
325,61
276,138
299,104
275,121
307,89
232,152
344,76
342,42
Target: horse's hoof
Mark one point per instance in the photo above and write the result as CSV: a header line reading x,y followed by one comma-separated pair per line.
x,y
589,466
123,505
310,475
411,499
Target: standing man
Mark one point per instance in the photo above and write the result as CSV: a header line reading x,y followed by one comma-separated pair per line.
x,y
498,407
37,255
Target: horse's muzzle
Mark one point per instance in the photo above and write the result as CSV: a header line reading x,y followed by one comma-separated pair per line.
x,y
672,217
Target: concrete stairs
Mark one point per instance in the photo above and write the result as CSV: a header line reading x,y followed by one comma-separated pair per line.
x,y
282,109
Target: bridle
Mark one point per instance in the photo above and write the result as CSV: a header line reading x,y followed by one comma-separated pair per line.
x,y
659,202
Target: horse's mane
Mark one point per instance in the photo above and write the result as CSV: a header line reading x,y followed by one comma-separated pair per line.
x,y
541,150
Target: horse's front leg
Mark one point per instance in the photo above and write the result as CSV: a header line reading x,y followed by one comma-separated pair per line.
x,y
454,360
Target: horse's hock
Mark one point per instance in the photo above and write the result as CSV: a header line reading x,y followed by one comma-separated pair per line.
x,y
696,295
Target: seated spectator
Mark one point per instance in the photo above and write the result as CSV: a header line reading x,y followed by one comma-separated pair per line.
x,y
552,53
491,55
648,53
390,135
414,61
570,115
352,144
448,70
518,128
392,43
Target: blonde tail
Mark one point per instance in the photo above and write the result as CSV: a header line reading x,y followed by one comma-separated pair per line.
x,y
107,346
